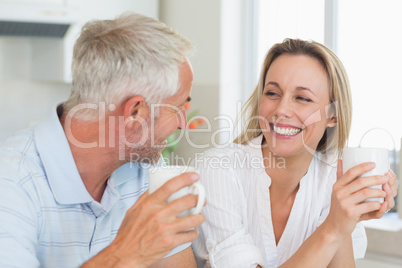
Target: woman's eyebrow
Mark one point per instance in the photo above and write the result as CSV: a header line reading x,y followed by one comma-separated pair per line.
x,y
272,83
305,88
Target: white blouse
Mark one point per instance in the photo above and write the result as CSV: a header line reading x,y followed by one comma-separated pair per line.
x,y
238,229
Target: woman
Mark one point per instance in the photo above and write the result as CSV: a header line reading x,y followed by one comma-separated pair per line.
x,y
269,194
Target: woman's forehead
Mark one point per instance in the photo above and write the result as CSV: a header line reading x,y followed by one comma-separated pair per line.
x,y
297,71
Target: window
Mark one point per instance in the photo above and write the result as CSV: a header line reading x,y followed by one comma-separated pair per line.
x,y
369,45
367,42
278,20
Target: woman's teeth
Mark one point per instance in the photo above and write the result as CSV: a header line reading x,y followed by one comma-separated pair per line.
x,y
286,131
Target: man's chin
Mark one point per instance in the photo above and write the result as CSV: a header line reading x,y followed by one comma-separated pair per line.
x,y
150,161
149,157
161,146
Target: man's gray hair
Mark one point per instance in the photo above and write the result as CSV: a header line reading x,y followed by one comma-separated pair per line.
x,y
117,59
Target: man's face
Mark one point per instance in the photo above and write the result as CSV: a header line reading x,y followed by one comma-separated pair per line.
x,y
172,116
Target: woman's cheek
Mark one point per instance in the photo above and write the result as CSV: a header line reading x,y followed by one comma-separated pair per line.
x,y
312,117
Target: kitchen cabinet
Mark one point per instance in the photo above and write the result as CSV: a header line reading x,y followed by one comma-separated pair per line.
x,y
384,247
51,58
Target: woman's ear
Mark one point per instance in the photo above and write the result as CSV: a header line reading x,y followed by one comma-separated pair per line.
x,y
330,111
332,122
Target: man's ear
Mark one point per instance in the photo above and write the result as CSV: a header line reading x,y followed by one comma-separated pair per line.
x,y
332,122
135,110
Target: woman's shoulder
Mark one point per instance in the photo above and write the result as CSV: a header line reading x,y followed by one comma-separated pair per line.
x,y
225,170
222,158
233,160
325,167
326,162
318,183
226,150
233,149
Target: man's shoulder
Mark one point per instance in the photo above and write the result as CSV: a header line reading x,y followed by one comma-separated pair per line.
x,y
19,156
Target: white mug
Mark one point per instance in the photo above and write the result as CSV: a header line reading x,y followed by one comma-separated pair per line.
x,y
161,174
355,156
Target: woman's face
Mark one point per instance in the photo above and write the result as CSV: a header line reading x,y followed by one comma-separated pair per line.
x,y
294,105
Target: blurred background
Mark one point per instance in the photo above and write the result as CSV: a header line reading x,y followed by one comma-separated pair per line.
x,y
232,38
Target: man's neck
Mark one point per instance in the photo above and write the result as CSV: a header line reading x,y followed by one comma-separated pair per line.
x,y
95,168
95,163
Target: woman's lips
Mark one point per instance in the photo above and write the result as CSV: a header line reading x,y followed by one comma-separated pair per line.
x,y
284,131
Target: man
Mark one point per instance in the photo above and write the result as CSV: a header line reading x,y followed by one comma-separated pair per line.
x,y
72,191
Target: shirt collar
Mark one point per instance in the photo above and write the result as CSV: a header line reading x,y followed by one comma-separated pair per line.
x,y
131,171
58,162
255,147
126,172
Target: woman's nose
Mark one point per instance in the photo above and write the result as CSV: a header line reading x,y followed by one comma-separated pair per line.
x,y
284,109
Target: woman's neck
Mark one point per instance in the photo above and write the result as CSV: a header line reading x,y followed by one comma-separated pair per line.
x,y
287,172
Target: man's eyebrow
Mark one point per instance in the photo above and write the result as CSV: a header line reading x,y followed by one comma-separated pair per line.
x,y
187,100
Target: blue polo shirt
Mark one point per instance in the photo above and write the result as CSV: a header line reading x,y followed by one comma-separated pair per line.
x,y
47,216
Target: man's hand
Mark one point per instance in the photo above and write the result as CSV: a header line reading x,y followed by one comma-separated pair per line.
x,y
151,228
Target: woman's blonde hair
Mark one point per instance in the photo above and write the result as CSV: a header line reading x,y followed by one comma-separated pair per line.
x,y
339,93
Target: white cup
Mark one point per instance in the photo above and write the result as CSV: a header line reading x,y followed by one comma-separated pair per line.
x,y
161,174
355,156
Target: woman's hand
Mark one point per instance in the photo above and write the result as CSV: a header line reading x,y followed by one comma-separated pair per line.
x,y
348,196
391,189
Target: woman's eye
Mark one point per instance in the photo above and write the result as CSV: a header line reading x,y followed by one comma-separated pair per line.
x,y
304,99
271,93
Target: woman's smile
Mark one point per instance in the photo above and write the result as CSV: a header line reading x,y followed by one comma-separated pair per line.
x,y
281,131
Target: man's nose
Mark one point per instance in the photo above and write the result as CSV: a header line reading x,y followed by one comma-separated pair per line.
x,y
182,119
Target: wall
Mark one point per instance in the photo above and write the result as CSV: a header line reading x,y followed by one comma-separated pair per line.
x,y
198,21
216,27
24,101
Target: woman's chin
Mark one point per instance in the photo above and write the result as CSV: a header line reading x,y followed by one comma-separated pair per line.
x,y
285,151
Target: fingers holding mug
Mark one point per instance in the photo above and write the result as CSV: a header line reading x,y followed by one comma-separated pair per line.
x,y
355,156
389,196
167,177
392,182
